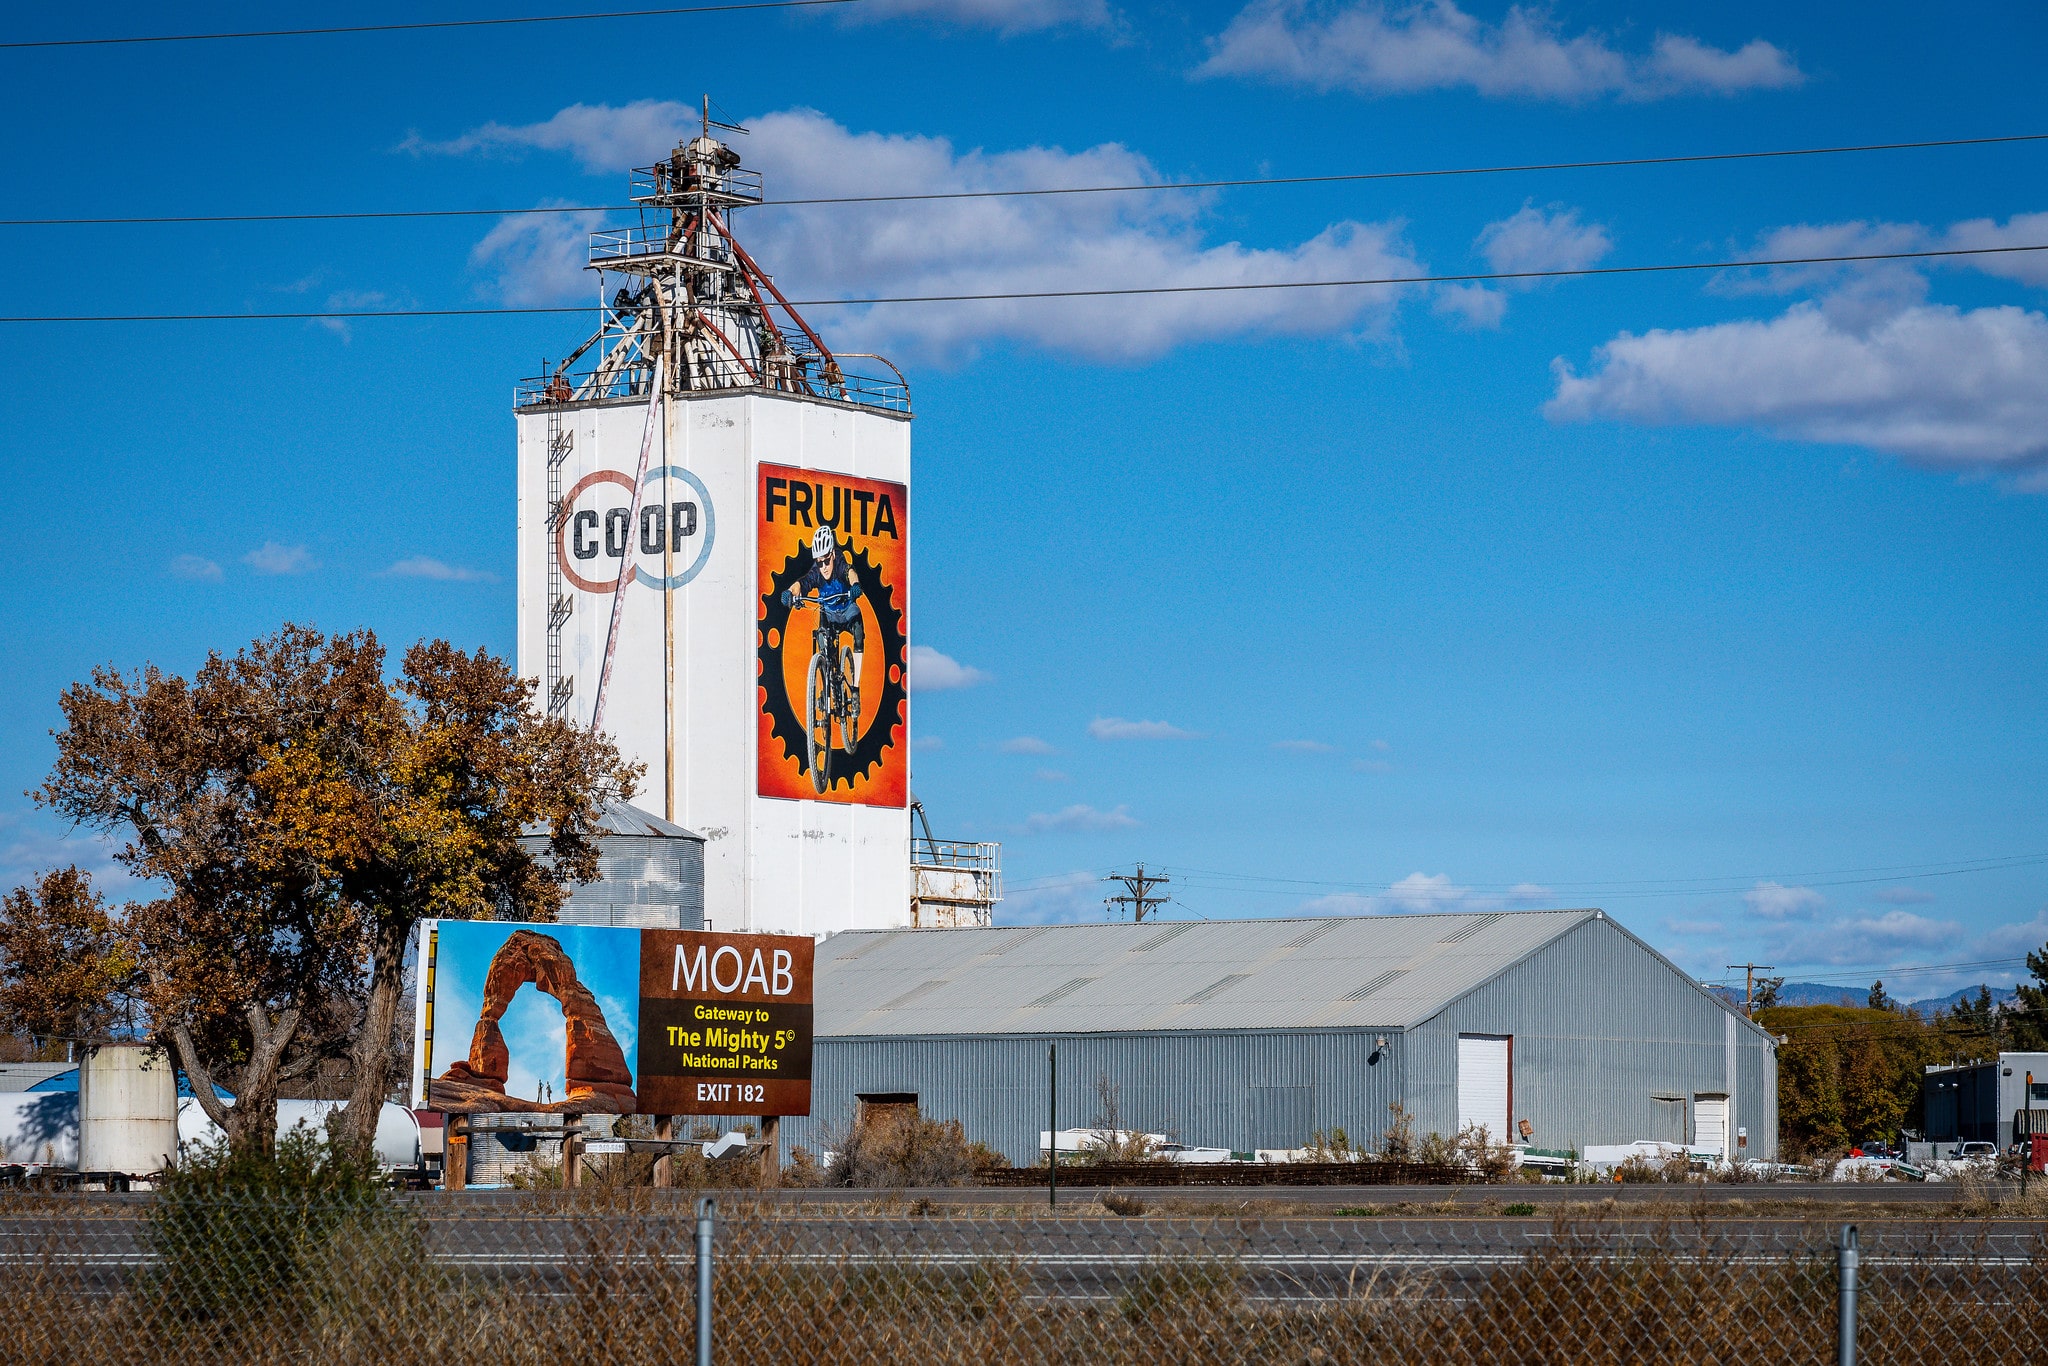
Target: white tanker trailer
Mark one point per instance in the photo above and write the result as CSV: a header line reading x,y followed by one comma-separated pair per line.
x,y
39,1130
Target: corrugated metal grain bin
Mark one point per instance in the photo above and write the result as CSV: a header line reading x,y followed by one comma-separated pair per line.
x,y
651,874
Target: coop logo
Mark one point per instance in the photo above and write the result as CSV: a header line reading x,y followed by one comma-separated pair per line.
x,y
675,530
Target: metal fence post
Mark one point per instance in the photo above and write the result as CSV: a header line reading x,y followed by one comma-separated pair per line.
x,y
1845,1269
707,1211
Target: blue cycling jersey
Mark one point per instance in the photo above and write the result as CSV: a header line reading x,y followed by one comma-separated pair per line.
x,y
839,595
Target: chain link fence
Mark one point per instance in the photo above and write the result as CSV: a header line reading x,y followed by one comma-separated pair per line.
x,y
548,1279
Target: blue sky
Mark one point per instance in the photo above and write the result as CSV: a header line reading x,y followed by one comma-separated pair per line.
x,y
536,1040
1716,600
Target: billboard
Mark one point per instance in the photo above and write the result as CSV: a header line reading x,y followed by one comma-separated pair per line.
x,y
833,622
617,1021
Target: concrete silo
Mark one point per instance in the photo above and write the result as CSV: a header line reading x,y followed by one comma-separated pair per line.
x,y
714,562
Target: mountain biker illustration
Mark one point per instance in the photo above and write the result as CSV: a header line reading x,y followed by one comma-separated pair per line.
x,y
838,593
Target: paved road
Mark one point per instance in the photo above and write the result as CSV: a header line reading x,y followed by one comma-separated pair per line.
x,y
1850,1193
1291,1258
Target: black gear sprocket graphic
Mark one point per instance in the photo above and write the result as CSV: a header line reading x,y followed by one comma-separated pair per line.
x,y
789,728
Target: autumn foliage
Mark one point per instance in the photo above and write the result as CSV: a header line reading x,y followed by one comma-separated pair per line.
x,y
299,812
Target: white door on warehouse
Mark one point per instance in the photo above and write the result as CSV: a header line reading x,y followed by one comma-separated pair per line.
x,y
1483,1084
1710,1123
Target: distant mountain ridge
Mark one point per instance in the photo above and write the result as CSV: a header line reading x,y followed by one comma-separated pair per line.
x,y
1834,994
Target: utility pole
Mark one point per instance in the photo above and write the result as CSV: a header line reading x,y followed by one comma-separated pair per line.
x,y
1749,972
1136,885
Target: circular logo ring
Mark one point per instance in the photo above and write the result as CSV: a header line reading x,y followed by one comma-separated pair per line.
x,y
708,531
638,571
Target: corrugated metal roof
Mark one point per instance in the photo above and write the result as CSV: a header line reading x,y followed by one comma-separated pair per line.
x,y
624,818
1364,972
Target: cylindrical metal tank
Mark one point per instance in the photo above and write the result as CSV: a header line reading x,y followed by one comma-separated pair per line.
x,y
500,1148
651,874
127,1110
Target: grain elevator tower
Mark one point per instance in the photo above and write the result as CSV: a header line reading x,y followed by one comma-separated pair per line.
x,y
714,561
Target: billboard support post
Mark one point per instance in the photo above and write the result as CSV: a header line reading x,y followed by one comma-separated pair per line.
x,y
572,1152
664,1167
455,1153
771,1151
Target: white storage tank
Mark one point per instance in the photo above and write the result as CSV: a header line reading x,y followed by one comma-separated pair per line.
x,y
127,1110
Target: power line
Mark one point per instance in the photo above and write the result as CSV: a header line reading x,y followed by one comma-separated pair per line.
x,y
414,27
1854,976
1894,871
1245,182
1019,295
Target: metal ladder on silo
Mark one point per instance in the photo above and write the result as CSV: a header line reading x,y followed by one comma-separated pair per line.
x,y
561,441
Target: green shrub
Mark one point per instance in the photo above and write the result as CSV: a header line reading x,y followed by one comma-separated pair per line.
x,y
236,1235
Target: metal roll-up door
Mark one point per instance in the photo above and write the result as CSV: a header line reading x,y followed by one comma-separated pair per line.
x,y
1710,1123
1483,1084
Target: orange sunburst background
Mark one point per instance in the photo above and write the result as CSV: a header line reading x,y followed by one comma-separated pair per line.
x,y
789,505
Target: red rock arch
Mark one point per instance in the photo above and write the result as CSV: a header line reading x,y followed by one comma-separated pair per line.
x,y
598,1080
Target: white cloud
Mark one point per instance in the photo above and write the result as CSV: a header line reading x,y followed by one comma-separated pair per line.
x,y
2021,230
1775,901
1543,239
1904,896
1050,775
1864,938
1005,16
1303,746
1420,893
1867,362
1532,239
273,558
1426,894
927,742
1371,766
1367,47
2016,940
1474,305
426,567
195,567
931,671
1078,817
971,246
1116,728
351,300
1936,385
538,259
1025,744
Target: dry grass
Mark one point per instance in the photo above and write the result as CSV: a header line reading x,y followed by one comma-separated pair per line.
x,y
596,1285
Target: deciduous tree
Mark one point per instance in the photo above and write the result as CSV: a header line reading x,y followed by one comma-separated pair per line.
x,y
67,971
234,962
414,810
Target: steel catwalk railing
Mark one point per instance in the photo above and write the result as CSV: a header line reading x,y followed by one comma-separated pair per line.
x,y
643,1275
803,376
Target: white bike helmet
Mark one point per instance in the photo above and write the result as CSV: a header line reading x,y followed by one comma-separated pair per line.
x,y
822,543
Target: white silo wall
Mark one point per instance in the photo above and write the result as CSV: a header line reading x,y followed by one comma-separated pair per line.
x,y
127,1110
770,864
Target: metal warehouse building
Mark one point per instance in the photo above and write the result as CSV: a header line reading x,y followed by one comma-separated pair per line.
x,y
1558,1027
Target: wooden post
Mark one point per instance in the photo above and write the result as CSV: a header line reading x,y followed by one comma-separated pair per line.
x,y
572,1152
664,1170
455,1153
771,1151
